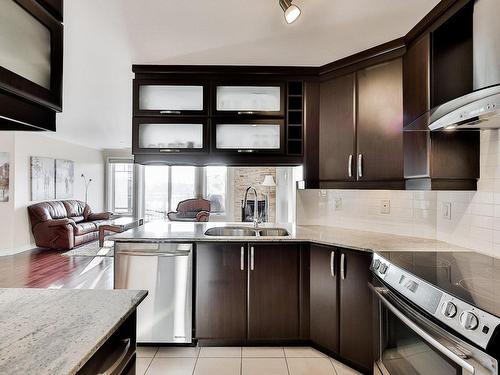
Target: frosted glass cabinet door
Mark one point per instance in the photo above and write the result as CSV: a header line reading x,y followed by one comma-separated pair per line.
x,y
250,99
25,44
248,136
171,136
169,99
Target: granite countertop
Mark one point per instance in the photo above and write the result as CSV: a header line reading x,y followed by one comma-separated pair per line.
x,y
164,231
56,331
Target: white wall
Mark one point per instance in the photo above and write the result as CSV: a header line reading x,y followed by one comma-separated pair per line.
x,y
22,145
475,215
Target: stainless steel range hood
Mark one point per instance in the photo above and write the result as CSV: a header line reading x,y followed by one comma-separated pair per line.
x,y
481,108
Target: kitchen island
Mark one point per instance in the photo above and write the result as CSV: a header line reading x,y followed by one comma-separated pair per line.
x,y
60,332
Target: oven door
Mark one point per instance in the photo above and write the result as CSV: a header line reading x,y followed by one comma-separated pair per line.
x,y
411,344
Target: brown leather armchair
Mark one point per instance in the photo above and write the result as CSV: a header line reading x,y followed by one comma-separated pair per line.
x,y
191,210
65,224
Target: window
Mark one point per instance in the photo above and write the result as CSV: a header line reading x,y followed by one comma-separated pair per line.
x,y
182,185
121,186
156,188
216,184
165,187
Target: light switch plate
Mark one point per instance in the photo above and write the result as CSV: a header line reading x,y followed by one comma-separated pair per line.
x,y
385,206
338,204
446,211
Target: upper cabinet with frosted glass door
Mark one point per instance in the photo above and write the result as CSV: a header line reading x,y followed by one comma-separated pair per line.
x,y
249,99
31,53
170,98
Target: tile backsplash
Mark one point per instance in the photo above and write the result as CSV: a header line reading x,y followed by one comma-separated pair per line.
x,y
465,218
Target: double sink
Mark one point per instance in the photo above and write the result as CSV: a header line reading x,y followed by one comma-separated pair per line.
x,y
246,232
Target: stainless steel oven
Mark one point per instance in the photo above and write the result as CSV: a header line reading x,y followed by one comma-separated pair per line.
x,y
411,344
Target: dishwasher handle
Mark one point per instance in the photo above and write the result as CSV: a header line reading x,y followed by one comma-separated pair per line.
x,y
155,254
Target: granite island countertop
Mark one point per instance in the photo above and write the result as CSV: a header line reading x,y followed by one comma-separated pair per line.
x,y
165,231
56,331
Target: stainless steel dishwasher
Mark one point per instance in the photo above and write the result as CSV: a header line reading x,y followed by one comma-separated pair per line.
x,y
165,270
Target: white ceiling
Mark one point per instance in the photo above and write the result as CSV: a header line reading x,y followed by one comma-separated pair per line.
x,y
104,38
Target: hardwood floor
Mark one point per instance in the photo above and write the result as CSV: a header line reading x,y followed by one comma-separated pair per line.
x,y
50,269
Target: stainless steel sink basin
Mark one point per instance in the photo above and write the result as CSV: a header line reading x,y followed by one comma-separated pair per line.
x,y
231,232
273,232
246,232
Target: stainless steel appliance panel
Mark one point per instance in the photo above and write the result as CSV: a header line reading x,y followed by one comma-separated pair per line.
x,y
165,270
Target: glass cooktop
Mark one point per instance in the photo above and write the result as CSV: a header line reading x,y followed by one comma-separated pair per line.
x,y
472,277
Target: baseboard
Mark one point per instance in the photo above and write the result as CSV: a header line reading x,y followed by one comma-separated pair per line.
x,y
17,250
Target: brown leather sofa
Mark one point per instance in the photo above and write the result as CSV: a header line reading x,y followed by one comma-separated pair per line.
x,y
191,210
65,224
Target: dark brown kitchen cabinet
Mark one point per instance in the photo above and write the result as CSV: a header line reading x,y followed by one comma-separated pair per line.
x,y
273,310
439,160
356,319
324,306
31,65
221,291
380,122
337,129
361,128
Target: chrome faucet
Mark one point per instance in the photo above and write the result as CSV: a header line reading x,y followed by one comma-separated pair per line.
x,y
256,220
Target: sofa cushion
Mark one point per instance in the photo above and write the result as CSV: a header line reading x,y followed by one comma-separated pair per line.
x,y
75,208
44,211
84,228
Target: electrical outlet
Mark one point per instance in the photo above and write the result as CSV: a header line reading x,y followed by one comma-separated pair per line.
x,y
446,211
385,206
322,193
338,204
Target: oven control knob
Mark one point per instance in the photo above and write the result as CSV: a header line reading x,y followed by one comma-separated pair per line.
x,y
449,309
469,320
376,264
383,268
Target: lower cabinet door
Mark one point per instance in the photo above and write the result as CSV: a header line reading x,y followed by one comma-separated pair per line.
x,y
273,311
221,291
356,321
324,308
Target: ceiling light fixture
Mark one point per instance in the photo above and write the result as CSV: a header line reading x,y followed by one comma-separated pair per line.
x,y
292,12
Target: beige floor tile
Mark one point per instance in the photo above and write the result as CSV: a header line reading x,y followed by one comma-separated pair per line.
x,y
146,351
264,366
220,352
178,351
303,352
262,352
218,366
141,365
310,366
343,369
171,366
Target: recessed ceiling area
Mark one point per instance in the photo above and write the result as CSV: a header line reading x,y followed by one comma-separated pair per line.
x,y
104,38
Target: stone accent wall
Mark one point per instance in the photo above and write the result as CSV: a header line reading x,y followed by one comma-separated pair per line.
x,y
252,176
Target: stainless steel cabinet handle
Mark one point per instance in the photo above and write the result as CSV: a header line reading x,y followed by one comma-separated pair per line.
x,y
246,151
349,166
242,258
332,263
165,150
170,112
342,266
246,112
119,360
252,264
360,165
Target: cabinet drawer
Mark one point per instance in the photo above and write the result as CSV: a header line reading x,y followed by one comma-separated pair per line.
x,y
250,99
172,135
249,136
170,98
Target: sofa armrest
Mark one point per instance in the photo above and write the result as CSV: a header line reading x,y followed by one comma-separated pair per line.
x,y
60,222
100,216
202,216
